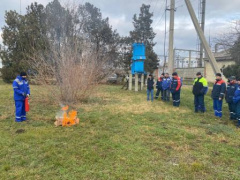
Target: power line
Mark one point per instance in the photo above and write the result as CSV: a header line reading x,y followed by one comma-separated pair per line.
x,y
156,5
161,18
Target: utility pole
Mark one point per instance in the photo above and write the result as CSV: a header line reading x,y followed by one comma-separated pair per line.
x,y
203,3
165,37
212,59
171,38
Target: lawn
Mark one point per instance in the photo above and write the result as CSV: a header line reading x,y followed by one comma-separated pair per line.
x,y
120,136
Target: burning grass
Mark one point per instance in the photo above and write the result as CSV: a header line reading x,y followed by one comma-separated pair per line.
x,y
66,117
120,136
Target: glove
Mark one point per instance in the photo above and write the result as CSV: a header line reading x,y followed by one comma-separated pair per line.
x,y
24,94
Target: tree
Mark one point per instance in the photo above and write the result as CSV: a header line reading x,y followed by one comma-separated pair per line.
x,y
230,42
22,37
11,51
235,51
143,32
232,70
104,40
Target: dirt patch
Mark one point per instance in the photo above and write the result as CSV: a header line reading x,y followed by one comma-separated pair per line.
x,y
20,131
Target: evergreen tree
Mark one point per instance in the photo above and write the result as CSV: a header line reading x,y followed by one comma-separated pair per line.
x,y
97,30
22,37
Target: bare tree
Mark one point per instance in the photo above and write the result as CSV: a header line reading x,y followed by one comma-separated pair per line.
x,y
227,39
73,62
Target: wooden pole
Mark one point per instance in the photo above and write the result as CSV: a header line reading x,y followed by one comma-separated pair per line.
x,y
130,81
136,82
142,81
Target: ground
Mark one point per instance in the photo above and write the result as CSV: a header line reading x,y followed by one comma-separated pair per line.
x,y
120,136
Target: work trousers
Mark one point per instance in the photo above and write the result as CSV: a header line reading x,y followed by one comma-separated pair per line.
x,y
217,106
238,112
159,91
176,98
199,103
20,112
232,110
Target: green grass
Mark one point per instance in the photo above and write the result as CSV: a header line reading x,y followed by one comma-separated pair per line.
x,y
120,136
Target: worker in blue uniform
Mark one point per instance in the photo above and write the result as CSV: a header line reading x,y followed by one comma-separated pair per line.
x,y
21,91
236,100
218,92
231,88
176,89
166,87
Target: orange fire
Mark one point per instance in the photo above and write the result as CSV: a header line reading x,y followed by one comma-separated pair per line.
x,y
65,108
68,118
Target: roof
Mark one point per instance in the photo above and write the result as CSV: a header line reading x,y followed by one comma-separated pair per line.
x,y
222,56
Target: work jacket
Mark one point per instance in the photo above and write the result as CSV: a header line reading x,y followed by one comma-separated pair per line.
x,y
200,86
236,97
176,84
166,83
219,89
159,83
21,88
231,88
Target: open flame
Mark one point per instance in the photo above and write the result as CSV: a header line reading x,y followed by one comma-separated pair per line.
x,y
65,118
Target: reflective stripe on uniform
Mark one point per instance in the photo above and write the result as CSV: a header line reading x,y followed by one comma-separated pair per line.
x,y
18,81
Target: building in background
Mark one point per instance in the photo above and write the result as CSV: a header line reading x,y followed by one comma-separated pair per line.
x,y
223,59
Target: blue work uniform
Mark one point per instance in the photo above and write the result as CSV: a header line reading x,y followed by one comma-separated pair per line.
x,y
176,90
166,88
231,88
236,100
219,89
21,90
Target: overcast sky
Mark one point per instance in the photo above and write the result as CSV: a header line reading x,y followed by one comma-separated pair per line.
x,y
219,16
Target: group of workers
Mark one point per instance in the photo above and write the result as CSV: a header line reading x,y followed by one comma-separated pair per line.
x,y
166,85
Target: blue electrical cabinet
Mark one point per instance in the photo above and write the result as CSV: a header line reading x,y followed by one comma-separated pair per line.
x,y
138,58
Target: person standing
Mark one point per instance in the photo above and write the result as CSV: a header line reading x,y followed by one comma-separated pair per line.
x,y
218,92
176,89
159,87
231,88
21,91
200,88
166,87
236,100
150,87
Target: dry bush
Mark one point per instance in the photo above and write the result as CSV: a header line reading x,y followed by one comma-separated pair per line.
x,y
70,74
